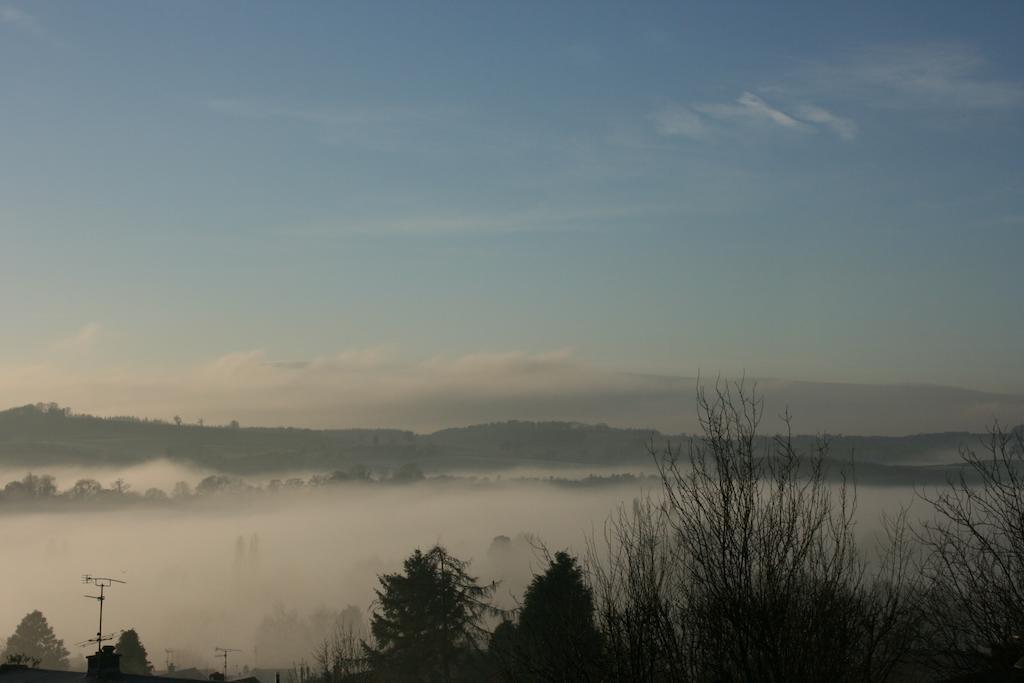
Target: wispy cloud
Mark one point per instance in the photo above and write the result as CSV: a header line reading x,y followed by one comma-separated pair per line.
x,y
26,23
752,105
934,76
19,18
702,120
929,77
843,127
83,338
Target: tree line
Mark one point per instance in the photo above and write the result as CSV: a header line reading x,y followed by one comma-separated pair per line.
x,y
42,488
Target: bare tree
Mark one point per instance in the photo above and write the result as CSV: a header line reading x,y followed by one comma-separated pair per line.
x,y
747,567
341,655
636,578
974,568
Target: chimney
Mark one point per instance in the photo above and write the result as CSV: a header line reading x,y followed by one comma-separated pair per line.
x,y
105,664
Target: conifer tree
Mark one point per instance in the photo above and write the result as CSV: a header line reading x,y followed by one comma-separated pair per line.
x,y
34,639
134,659
429,619
556,638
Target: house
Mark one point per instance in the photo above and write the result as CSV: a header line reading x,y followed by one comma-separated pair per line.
x,y
105,665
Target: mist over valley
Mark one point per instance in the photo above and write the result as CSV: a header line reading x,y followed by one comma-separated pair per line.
x,y
226,533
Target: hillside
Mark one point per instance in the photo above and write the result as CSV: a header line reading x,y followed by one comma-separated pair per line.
x,y
44,434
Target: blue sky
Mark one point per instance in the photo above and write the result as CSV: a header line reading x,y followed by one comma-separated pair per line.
x,y
826,193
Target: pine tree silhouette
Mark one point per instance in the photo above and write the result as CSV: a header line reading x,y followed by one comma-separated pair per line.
x,y
134,659
34,639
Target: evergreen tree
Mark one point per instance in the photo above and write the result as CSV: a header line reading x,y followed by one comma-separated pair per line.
x,y
556,638
429,619
34,639
134,659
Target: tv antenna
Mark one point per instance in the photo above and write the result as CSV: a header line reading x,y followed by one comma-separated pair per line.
x,y
103,583
223,652
109,636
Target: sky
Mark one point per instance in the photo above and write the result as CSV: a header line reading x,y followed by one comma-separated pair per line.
x,y
224,200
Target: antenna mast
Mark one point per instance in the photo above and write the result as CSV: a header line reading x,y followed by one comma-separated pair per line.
x,y
103,583
223,652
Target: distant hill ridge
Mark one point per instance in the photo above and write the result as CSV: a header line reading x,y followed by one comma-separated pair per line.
x,y
47,434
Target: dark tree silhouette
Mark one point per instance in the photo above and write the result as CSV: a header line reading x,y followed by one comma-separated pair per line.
x,y
556,638
34,639
217,483
181,490
22,660
32,486
340,655
84,489
974,568
407,474
428,623
747,569
134,659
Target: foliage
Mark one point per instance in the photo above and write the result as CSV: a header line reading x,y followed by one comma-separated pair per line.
x,y
407,474
134,658
85,489
155,494
429,619
556,638
33,638
22,660
31,486
218,483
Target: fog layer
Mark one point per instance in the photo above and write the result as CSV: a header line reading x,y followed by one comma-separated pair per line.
x,y
209,571
206,573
